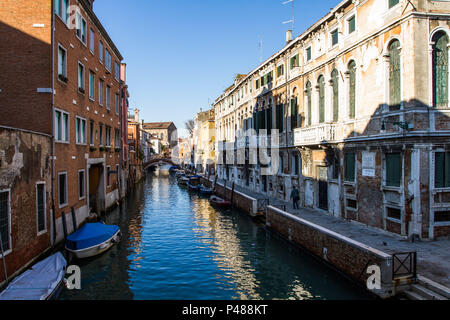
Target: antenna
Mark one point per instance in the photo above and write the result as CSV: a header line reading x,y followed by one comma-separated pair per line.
x,y
292,21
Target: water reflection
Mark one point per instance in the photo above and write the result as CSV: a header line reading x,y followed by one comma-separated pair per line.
x,y
176,246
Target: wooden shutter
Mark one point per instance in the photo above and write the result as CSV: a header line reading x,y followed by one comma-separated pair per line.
x,y
321,99
352,91
394,75
349,166
393,169
335,79
308,96
440,70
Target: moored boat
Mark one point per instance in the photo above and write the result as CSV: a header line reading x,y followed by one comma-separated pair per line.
x,y
194,183
183,180
219,202
205,190
92,239
42,282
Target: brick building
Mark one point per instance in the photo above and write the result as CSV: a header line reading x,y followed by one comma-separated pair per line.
x,y
360,100
61,78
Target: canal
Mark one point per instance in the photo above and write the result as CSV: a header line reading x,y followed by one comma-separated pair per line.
x,y
176,246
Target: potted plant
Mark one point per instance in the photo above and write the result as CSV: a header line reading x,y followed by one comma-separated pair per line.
x,y
91,148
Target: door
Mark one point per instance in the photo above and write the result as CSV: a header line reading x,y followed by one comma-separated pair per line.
x,y
323,187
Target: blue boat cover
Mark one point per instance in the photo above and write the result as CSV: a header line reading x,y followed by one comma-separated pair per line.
x,y
90,235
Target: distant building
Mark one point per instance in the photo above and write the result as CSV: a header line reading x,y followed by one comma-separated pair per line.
x,y
204,141
166,131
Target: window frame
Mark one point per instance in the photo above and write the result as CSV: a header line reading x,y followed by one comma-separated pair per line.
x,y
101,51
92,40
116,71
43,231
77,131
108,60
81,197
91,133
62,112
348,23
66,195
64,74
332,33
385,178
308,53
100,91
82,82
346,180
58,14
117,103
108,97
79,23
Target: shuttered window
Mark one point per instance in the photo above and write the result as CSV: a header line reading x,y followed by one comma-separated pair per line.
x,y
294,61
393,3
294,113
393,169
280,117
308,97
40,206
269,119
321,83
349,166
440,70
351,24
394,75
352,91
4,219
335,80
442,170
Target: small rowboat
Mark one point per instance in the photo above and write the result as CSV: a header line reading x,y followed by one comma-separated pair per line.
x,y
183,181
205,191
92,239
219,202
43,281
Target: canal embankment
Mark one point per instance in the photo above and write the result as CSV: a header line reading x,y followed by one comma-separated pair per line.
x,y
351,247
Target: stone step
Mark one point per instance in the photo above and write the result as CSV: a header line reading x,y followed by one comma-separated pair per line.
x,y
427,293
413,295
434,286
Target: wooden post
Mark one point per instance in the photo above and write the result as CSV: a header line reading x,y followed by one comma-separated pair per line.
x,y
232,194
74,220
63,216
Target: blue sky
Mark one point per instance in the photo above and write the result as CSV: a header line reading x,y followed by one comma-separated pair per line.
x,y
182,54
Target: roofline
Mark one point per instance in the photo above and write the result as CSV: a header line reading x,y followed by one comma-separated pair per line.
x,y
285,48
99,25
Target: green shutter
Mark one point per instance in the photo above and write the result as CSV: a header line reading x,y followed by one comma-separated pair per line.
x,y
352,91
308,94
393,169
294,113
439,169
440,70
349,166
394,75
393,3
269,120
321,99
335,79
351,24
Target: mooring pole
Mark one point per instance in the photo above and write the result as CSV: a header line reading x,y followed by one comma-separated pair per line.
x,y
3,258
232,194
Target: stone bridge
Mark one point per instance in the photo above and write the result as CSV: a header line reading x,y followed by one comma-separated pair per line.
x,y
154,161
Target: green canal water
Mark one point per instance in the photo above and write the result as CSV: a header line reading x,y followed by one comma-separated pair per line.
x,y
176,246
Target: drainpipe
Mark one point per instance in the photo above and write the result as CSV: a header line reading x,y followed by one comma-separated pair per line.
x,y
53,240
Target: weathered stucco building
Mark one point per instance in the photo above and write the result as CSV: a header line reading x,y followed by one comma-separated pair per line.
x,y
360,100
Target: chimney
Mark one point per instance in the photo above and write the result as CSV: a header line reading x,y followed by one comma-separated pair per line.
x,y
136,115
123,72
288,36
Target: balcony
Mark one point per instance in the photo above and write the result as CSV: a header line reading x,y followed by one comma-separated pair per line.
x,y
318,134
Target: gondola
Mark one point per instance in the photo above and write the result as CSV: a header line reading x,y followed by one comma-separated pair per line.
x,y
219,202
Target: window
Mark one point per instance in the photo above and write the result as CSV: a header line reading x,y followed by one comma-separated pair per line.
x,y
61,126
280,117
294,61
394,75
91,85
81,184
349,166
321,83
61,9
442,169
100,141
62,63
441,216
309,102
392,3
257,84
5,220
393,169
308,54
116,71
280,70
335,84
116,103
81,28
116,138
62,189
40,207
107,60
294,113
108,176
108,136
394,213
352,89
296,165
100,51
440,70
334,37
100,91
80,77
80,130
108,97
92,41
351,24
91,133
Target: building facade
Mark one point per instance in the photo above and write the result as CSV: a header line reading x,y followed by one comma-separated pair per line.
x,y
204,141
167,133
360,101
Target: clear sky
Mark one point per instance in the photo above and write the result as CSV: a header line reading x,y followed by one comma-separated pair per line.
x,y
182,54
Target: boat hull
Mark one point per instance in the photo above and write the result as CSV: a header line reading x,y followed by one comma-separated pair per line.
x,y
97,249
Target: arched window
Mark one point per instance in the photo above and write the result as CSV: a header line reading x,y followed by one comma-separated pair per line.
x,y
321,84
440,69
335,82
352,89
308,97
394,75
